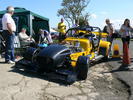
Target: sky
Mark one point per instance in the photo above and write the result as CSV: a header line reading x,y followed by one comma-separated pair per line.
x,y
99,10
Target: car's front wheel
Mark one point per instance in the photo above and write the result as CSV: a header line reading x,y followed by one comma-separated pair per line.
x,y
82,67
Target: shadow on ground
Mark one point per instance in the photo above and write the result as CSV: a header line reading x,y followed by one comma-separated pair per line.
x,y
2,62
51,77
118,63
122,68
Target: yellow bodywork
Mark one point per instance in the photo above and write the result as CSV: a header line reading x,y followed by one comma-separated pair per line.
x,y
86,49
105,45
103,35
86,46
84,43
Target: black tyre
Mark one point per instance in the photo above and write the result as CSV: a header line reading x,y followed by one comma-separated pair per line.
x,y
28,54
2,46
106,57
82,67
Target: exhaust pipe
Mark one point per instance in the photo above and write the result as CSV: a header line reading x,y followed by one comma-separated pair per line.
x,y
98,57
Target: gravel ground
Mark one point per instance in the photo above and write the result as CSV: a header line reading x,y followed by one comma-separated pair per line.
x,y
99,85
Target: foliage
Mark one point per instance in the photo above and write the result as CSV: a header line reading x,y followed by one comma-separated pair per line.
x,y
83,20
73,9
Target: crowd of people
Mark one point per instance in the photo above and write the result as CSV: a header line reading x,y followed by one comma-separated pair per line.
x,y
9,29
124,31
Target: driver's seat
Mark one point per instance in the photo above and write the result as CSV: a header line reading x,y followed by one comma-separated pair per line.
x,y
93,38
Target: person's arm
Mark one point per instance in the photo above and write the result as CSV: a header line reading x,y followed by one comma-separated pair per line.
x,y
111,30
49,38
122,29
31,38
8,22
65,27
9,26
59,26
131,28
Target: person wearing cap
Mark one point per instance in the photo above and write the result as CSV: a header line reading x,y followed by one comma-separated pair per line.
x,y
9,27
62,30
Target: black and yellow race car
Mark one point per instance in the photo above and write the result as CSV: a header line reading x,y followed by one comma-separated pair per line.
x,y
70,58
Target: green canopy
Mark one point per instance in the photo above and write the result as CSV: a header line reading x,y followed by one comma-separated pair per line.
x,y
29,20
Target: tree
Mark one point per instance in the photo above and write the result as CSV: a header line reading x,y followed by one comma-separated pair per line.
x,y
83,20
73,9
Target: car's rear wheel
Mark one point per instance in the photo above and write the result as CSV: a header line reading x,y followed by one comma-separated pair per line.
x,y
82,67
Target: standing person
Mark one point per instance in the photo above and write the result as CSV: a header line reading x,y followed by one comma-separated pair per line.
x,y
125,31
9,27
109,29
62,30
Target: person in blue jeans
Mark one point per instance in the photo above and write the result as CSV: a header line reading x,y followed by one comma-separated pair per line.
x,y
9,51
9,27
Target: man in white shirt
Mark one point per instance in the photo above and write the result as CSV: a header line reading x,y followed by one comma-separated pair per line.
x,y
9,27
